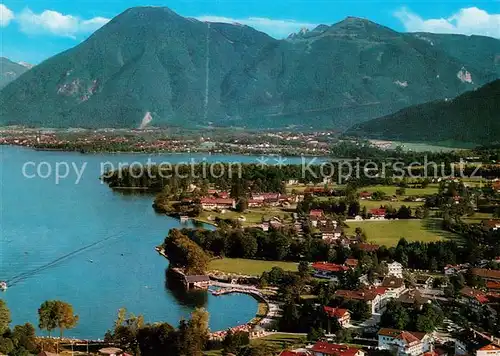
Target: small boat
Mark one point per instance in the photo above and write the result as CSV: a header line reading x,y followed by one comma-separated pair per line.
x,y
3,286
91,261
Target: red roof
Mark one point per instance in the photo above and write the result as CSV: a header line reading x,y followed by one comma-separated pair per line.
x,y
335,312
368,247
475,294
365,194
351,262
318,213
217,201
329,267
378,212
493,285
334,349
294,353
366,295
486,273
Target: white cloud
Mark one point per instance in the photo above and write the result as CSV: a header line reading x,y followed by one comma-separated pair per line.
x,y
55,23
6,15
467,21
275,28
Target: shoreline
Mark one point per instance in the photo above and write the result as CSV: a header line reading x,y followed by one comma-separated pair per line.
x,y
262,302
167,152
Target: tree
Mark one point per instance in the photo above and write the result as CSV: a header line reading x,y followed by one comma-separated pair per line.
x,y
66,319
4,317
315,334
395,316
194,333
304,269
242,205
233,341
46,316
24,338
54,314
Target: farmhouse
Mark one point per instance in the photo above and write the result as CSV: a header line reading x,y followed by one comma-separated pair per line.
x,y
378,214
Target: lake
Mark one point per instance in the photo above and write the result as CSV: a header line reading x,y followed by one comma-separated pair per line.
x,y
80,242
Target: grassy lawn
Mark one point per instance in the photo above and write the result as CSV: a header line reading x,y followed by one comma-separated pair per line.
x,y
252,216
477,218
373,204
277,341
389,232
249,267
391,190
282,340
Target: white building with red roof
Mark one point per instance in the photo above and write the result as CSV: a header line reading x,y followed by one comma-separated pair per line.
x,y
342,315
404,343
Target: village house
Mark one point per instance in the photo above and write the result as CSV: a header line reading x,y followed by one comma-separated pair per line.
x,y
342,315
217,203
394,286
377,214
351,263
404,343
395,269
326,349
373,297
331,232
365,195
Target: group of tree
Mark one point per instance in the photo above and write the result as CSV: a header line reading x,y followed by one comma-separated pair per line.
x,y
275,244
184,253
19,341
56,314
425,318
130,333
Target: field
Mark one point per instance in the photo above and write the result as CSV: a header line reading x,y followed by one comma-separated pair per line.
x,y
431,147
249,267
278,341
374,204
391,190
389,232
252,216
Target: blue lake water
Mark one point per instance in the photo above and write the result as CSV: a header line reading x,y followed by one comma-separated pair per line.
x,y
41,222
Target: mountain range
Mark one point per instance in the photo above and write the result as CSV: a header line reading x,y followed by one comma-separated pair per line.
x,y
472,117
152,66
10,70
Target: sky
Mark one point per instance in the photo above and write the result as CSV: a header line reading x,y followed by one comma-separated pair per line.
x,y
33,30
